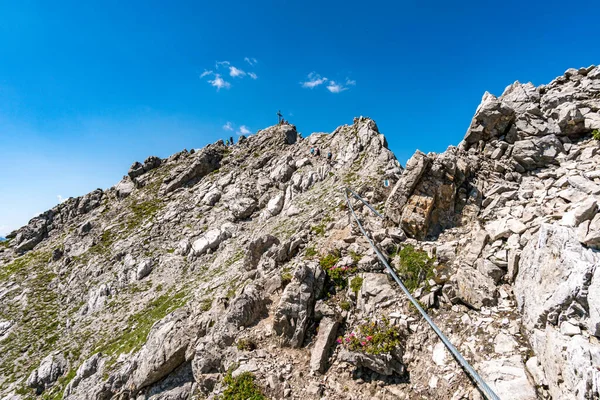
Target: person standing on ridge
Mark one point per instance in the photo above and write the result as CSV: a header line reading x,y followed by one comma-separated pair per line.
x,y
231,140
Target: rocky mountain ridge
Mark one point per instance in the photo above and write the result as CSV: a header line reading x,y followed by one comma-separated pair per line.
x,y
239,266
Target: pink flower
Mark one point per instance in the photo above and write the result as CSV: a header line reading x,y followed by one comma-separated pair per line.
x,y
363,343
369,338
347,340
352,334
339,340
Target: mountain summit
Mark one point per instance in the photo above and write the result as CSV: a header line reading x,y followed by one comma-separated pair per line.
x,y
238,271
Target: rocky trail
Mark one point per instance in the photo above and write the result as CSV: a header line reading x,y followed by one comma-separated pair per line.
x,y
239,271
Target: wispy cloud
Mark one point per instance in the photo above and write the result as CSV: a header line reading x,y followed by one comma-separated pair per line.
x,y
61,199
219,82
228,126
244,130
252,75
236,72
206,73
250,60
221,64
313,81
334,87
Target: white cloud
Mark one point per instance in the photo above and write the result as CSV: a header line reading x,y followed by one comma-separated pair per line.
x,y
61,199
244,130
250,60
219,82
335,87
252,75
350,82
221,64
228,126
313,81
205,73
236,72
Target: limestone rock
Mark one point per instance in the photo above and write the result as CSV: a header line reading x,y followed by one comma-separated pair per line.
x,y
242,208
507,378
384,364
296,305
163,351
473,288
50,369
320,353
554,276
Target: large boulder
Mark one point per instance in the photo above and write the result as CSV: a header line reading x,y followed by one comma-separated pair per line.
x,y
295,308
537,152
163,351
325,337
210,240
242,208
492,119
50,369
473,288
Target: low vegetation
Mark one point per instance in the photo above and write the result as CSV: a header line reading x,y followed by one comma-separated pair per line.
x,y
356,284
242,387
377,337
414,267
139,324
596,134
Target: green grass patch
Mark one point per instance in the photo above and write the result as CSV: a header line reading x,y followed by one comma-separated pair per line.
x,y
245,345
242,387
310,252
142,212
356,283
355,256
139,324
319,230
286,276
414,267
596,134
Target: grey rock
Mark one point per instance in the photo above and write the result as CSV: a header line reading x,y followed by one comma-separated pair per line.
x,y
144,268
205,161
136,169
554,274
125,188
537,152
50,369
243,208
163,351
507,378
384,364
296,305
473,288
492,119
325,338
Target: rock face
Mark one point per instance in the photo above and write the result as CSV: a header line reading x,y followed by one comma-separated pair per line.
x,y
243,258
296,305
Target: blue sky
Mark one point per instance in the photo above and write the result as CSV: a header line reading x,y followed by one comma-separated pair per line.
x,y
86,88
